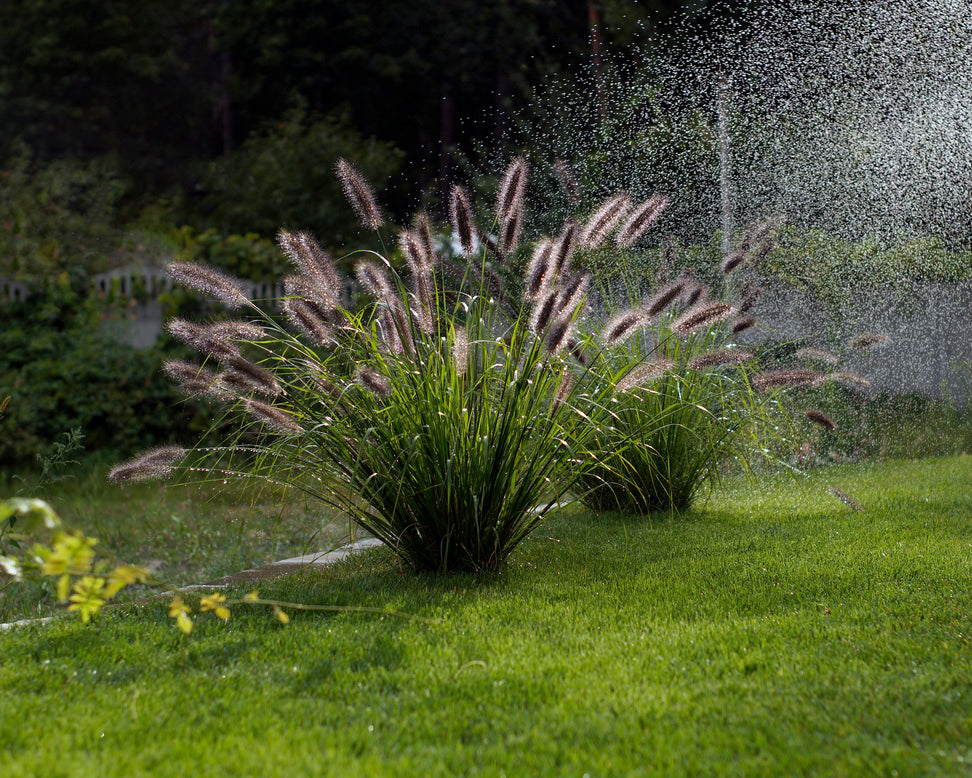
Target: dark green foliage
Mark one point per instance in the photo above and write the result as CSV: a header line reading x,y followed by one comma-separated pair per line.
x,y
284,176
60,214
62,372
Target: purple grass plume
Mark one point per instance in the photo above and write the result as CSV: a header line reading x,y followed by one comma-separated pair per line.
x,y
422,229
243,376
702,316
192,379
563,249
733,261
743,324
868,341
537,276
664,297
604,219
748,301
573,294
850,380
373,277
360,195
461,216
641,218
559,333
460,351
510,232
720,359
644,375
313,262
157,463
278,420
543,310
512,190
786,378
622,326
313,320
209,281
206,340
820,418
373,381
564,388
816,355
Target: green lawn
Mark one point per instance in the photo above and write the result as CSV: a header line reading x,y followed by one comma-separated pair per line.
x,y
771,631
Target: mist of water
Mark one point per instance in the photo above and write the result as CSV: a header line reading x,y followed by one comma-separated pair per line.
x,y
854,117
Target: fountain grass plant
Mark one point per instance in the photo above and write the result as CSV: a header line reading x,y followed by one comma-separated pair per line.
x,y
687,394
442,419
670,437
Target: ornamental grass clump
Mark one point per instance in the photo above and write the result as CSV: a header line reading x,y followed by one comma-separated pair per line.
x,y
441,418
684,399
683,403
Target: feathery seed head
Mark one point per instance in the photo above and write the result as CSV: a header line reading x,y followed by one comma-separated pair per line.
x,y
360,195
576,349
741,325
373,382
821,418
604,219
644,374
563,248
542,311
564,389
538,270
623,326
720,358
310,318
243,376
816,355
558,334
461,216
732,262
664,297
573,293
749,300
567,181
422,230
702,316
277,419
696,293
209,281
422,289
512,190
207,340
318,269
193,380
374,279
868,340
785,378
510,232
415,251
850,380
640,220
157,463
460,351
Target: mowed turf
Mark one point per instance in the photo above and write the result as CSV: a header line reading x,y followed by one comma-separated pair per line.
x,y
773,630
